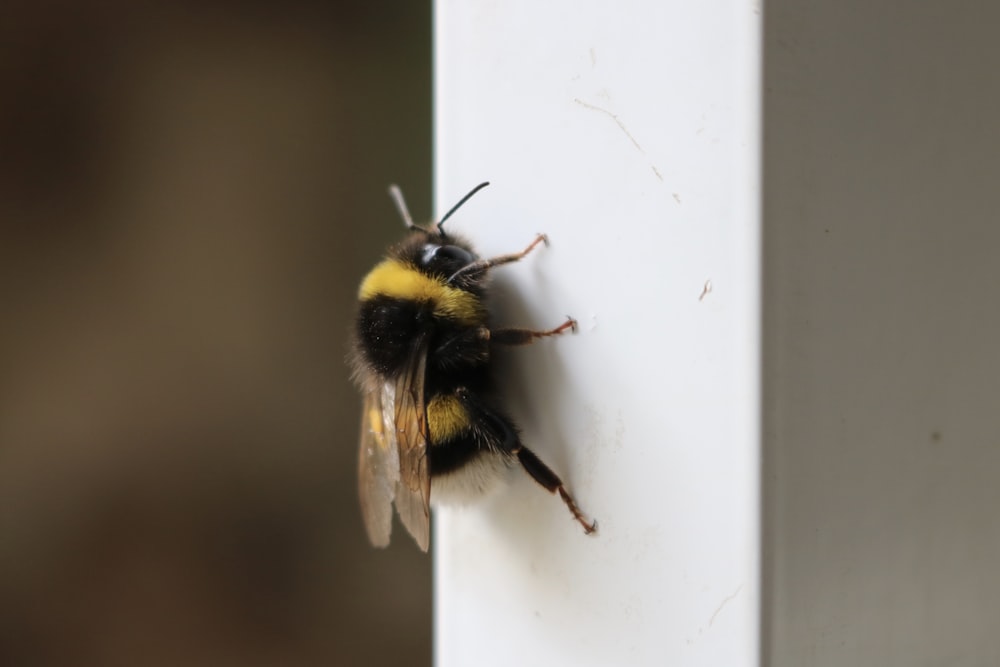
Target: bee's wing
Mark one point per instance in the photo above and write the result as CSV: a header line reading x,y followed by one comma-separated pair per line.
x,y
378,467
413,491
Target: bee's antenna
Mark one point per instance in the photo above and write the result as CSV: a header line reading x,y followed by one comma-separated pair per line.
x,y
397,197
461,201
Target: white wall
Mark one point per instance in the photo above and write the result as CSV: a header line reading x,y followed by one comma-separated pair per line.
x,y
629,133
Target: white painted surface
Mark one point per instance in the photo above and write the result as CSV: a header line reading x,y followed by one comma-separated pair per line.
x,y
628,132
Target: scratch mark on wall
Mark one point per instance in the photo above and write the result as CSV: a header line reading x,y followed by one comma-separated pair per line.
x,y
722,604
613,117
706,290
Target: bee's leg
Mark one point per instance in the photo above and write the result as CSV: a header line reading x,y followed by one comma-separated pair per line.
x,y
525,336
482,265
542,474
508,441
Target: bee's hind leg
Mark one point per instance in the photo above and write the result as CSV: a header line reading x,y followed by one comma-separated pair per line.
x,y
542,474
506,439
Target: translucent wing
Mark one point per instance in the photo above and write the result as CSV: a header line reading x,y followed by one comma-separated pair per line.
x,y
392,464
378,467
413,490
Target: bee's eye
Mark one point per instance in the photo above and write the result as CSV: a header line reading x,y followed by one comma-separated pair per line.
x,y
448,258
452,253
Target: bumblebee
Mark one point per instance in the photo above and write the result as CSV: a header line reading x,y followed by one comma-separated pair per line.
x,y
432,425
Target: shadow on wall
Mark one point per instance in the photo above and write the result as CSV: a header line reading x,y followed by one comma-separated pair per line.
x,y
189,195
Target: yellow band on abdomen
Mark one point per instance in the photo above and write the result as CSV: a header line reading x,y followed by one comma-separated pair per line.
x,y
446,418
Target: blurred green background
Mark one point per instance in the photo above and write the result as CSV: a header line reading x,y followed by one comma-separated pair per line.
x,y
189,196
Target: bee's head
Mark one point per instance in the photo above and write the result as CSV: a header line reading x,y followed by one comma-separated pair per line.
x,y
441,255
431,249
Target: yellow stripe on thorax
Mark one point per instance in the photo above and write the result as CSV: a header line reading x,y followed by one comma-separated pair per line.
x,y
446,418
395,279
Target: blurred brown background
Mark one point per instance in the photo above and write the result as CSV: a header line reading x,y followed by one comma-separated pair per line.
x,y
189,195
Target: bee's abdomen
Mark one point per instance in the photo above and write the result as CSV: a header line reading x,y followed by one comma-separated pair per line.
x,y
466,456
453,440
